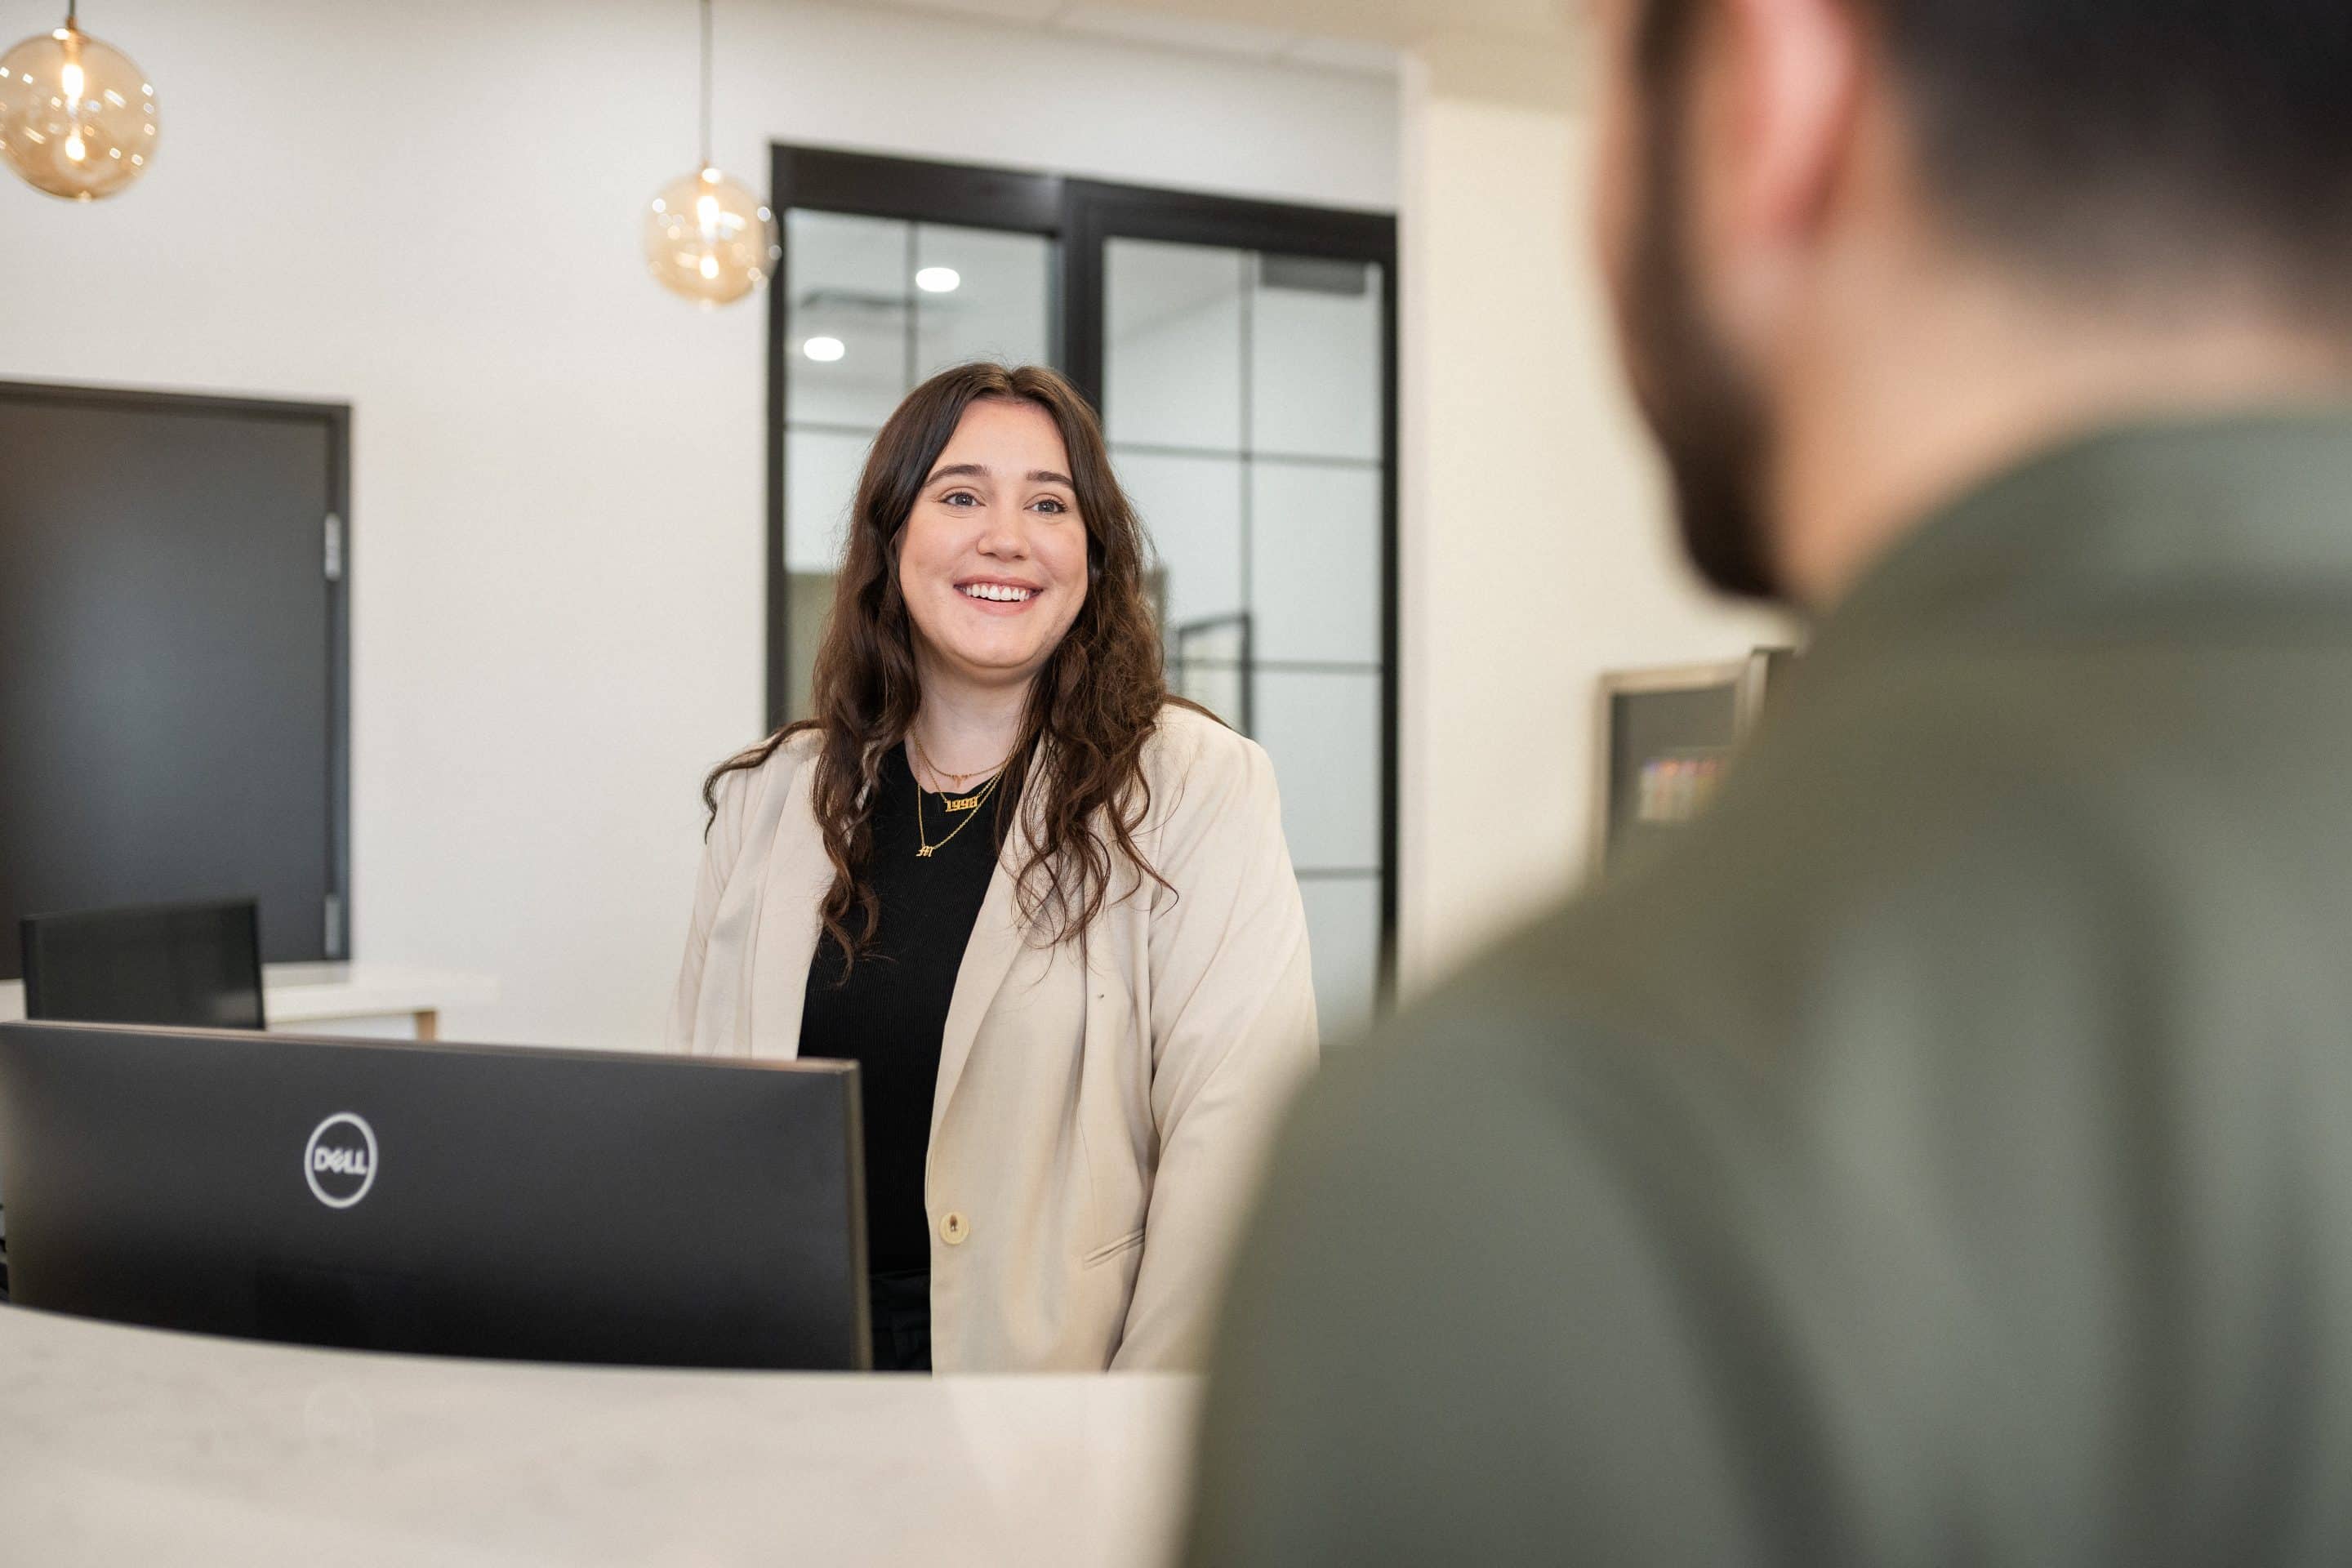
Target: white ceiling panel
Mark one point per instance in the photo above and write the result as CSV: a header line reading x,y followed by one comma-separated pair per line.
x,y
1029,13
1171,31
1357,37
1352,55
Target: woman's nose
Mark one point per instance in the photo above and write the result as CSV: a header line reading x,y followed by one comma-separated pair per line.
x,y
1003,538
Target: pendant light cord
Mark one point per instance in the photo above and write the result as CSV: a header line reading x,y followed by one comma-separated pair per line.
x,y
706,83
74,7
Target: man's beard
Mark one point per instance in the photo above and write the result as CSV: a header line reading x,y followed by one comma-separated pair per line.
x,y
1707,419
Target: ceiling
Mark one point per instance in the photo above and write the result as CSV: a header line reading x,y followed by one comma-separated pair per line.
x,y
1362,37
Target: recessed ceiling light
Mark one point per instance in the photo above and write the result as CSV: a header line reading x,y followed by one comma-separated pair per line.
x,y
938,279
825,351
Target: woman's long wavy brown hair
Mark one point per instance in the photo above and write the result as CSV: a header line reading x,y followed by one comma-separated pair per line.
x,y
1091,708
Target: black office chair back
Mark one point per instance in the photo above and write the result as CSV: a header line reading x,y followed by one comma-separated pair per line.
x,y
197,965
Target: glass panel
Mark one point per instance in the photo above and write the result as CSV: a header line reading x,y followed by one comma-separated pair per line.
x,y
1192,507
1315,562
1208,662
980,294
821,469
804,618
1323,732
848,289
1314,358
1173,371
1343,932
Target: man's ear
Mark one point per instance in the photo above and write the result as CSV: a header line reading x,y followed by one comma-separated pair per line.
x,y
1794,70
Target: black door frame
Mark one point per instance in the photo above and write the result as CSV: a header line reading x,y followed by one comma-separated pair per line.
x,y
1084,215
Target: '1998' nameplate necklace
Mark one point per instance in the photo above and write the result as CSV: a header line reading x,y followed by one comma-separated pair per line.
x,y
971,803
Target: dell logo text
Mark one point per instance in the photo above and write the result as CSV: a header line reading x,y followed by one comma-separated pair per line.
x,y
339,1160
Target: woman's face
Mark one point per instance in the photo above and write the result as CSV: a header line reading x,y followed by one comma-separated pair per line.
x,y
992,562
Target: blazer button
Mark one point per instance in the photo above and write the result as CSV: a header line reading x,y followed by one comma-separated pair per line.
x,y
954,1228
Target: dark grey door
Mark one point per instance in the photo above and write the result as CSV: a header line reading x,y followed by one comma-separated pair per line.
x,y
170,660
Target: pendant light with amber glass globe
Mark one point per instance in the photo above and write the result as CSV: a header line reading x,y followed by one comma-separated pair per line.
x,y
710,237
76,118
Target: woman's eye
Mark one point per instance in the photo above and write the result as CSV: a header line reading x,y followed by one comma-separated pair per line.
x,y
1052,505
960,498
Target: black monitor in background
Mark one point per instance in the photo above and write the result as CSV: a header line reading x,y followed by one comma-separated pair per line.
x,y
197,965
460,1200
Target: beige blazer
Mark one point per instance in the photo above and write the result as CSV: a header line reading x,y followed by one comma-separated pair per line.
x,y
1102,1104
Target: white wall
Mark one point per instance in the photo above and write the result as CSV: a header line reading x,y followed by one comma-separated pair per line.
x,y
429,210
1537,548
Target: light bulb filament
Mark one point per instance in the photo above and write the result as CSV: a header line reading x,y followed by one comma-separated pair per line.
x,y
71,77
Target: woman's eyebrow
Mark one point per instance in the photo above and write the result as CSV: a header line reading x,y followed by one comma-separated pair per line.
x,y
982,471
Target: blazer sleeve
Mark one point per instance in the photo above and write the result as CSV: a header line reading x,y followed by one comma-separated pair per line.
x,y
1232,1036
721,847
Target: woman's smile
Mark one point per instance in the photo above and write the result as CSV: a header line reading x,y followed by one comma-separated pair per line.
x,y
998,596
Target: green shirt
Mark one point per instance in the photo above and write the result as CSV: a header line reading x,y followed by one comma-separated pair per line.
x,y
1941,1153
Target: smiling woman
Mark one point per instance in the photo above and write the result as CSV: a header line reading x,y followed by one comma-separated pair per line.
x,y
994,563
1073,1026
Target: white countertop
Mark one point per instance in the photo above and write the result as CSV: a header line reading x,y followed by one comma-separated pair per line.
x,y
133,1446
316,993
311,993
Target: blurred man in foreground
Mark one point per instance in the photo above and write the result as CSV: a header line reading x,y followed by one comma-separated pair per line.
x,y
1943,1154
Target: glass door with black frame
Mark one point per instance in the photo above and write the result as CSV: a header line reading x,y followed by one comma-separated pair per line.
x,y
1243,394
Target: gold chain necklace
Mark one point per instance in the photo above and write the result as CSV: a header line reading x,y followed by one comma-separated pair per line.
x,y
972,803
936,771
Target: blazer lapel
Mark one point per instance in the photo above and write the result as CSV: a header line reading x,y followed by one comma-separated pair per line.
x,y
791,919
996,939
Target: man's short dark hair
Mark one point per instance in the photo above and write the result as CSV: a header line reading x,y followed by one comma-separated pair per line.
x,y
2135,137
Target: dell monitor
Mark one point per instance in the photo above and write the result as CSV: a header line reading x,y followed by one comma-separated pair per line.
x,y
516,1203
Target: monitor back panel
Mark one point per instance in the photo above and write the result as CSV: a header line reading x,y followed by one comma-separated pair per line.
x,y
538,1205
197,965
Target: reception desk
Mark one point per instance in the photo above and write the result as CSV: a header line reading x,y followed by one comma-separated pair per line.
x,y
124,1444
378,1000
